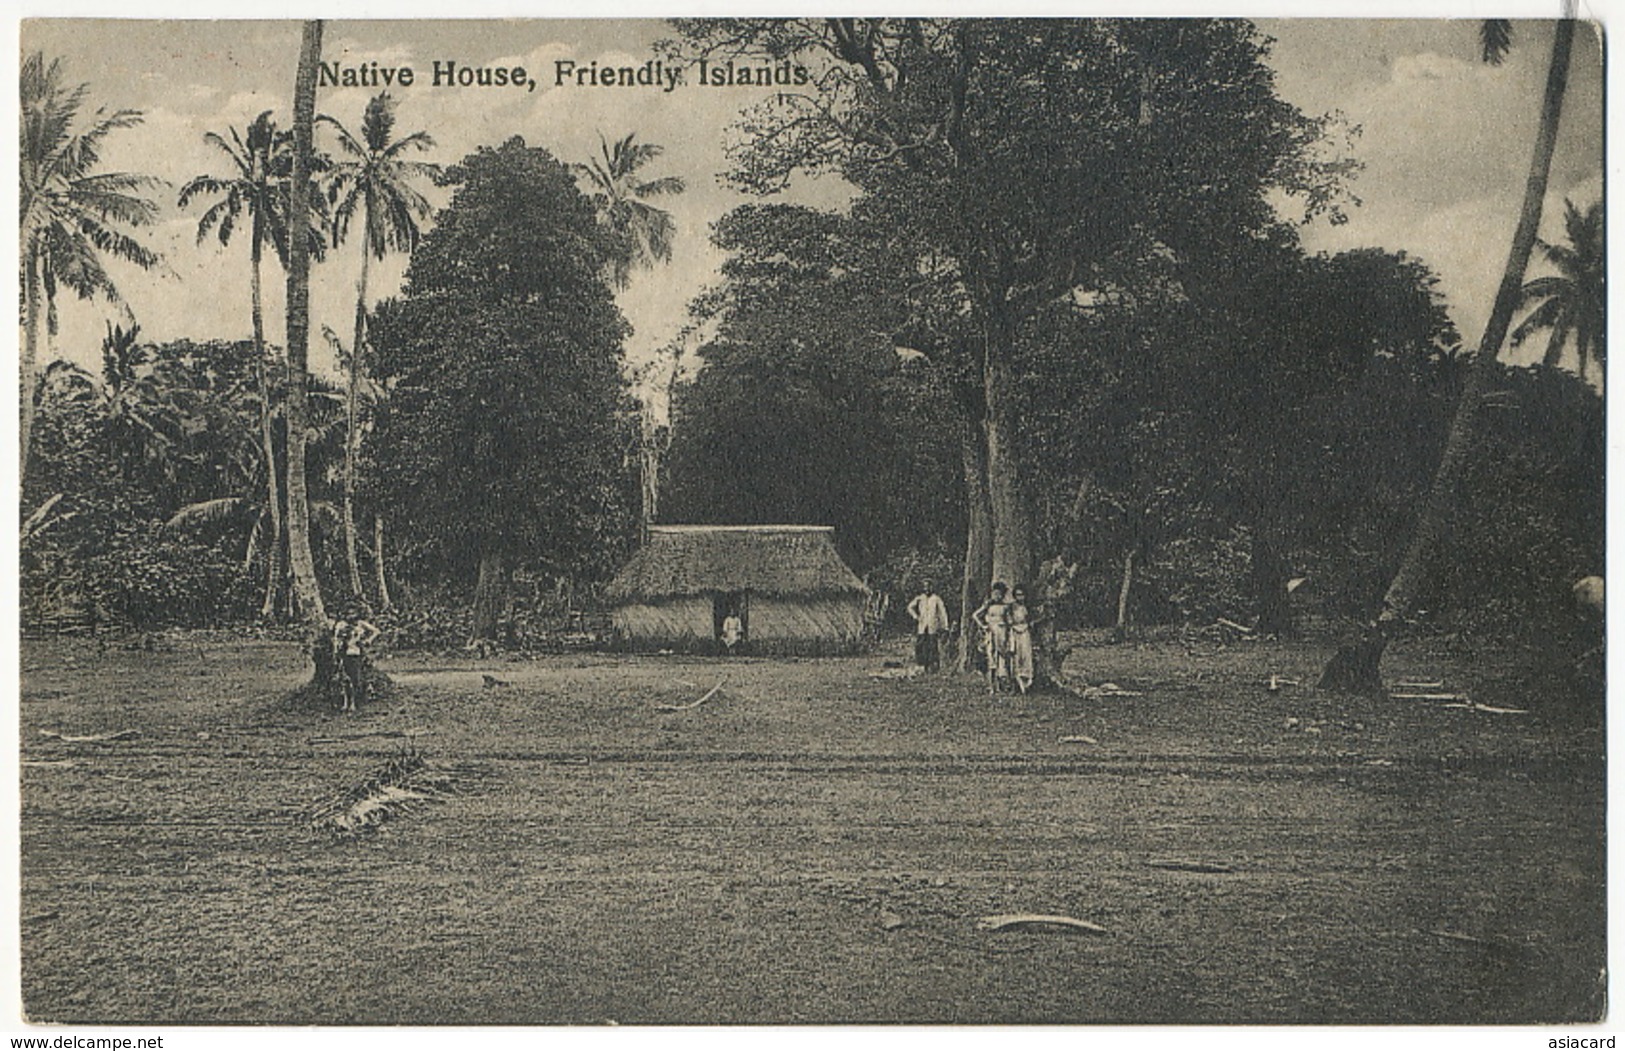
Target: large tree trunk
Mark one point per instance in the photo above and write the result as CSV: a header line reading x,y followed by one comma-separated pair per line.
x,y
352,435
1013,560
33,308
306,587
1270,572
490,596
378,562
978,543
273,494
1356,667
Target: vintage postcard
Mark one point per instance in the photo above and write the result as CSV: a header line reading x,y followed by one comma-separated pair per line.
x,y
818,520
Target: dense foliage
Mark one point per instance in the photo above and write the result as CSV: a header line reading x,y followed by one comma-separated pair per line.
x,y
504,436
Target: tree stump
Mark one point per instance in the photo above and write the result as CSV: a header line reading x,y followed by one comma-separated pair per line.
x,y
1356,667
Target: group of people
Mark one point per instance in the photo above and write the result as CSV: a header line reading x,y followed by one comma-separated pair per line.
x,y
1006,624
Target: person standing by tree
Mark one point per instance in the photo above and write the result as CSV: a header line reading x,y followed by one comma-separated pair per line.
x,y
352,634
1019,622
930,624
993,618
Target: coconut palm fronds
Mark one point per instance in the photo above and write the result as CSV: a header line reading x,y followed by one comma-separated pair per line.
x,y
402,784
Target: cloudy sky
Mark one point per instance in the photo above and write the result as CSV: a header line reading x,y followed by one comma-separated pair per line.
x,y
1445,142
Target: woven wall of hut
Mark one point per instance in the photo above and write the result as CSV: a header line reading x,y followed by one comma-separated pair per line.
x,y
680,624
833,620
805,626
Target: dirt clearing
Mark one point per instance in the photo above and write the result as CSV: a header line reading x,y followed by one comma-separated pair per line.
x,y
808,845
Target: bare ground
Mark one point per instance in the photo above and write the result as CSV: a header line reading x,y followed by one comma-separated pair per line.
x,y
810,845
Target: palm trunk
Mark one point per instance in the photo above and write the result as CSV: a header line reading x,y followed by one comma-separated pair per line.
x,y
1120,632
32,308
1357,665
978,542
378,562
352,439
648,472
273,495
306,587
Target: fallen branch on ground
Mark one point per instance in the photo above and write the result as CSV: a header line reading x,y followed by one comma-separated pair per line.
x,y
1030,920
1108,689
1184,865
416,731
1428,696
685,707
1233,626
119,735
1078,739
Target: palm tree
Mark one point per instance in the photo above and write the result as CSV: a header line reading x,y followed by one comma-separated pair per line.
x,y
644,233
644,236
258,188
1357,666
374,183
70,215
306,587
1573,299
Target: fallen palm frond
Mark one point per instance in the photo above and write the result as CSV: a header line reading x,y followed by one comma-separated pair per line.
x,y
399,785
712,692
118,735
1021,921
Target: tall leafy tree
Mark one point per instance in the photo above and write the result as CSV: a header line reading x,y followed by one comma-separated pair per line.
x,y
257,191
501,440
1573,302
1032,155
805,411
1356,666
306,587
71,215
372,185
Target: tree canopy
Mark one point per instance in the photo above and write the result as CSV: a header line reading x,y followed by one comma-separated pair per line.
x,y
504,433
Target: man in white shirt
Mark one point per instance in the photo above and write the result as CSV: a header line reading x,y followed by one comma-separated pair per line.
x,y
930,625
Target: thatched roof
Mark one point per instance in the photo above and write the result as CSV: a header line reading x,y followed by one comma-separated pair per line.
x,y
768,559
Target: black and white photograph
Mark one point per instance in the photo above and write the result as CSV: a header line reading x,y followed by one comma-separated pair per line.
x,y
926,520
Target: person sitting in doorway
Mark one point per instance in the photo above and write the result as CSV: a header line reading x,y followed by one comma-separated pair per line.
x,y
733,631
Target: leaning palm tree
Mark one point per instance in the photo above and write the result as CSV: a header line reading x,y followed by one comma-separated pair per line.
x,y
1357,666
306,587
257,190
373,184
1572,300
644,233
71,216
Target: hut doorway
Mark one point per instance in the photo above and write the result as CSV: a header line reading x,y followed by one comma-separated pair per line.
x,y
722,604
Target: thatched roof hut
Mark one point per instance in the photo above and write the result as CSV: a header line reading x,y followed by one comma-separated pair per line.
x,y
786,583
